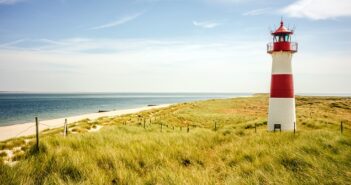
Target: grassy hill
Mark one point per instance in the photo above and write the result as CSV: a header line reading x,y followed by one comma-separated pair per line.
x,y
220,147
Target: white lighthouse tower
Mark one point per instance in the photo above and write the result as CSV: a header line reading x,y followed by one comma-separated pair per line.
x,y
281,113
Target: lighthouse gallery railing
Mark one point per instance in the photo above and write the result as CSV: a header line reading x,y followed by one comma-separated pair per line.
x,y
288,46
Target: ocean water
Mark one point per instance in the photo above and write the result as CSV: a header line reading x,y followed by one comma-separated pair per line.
x,y
18,108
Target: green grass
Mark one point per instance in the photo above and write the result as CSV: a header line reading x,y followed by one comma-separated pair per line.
x,y
123,152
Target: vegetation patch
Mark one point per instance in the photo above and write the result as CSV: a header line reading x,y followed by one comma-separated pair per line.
x,y
340,105
3,154
10,144
186,162
105,163
294,164
71,173
310,150
248,158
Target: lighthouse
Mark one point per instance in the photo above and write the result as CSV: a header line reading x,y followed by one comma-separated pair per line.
x,y
281,112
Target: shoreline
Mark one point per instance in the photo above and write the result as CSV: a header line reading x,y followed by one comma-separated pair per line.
x,y
27,129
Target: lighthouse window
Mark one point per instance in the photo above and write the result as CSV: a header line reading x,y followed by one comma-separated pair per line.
x,y
287,38
281,39
276,38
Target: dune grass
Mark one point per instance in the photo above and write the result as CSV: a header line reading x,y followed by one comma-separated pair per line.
x,y
124,152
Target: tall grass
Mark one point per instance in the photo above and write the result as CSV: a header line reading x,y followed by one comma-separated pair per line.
x,y
233,154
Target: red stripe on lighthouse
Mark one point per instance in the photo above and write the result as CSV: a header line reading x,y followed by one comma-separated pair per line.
x,y
282,86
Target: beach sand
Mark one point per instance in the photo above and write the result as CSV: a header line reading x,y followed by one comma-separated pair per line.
x,y
26,129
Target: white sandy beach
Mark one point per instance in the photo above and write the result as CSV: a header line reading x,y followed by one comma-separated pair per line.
x,y
26,129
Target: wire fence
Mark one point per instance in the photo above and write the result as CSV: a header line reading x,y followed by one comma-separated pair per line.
x,y
31,126
21,132
143,122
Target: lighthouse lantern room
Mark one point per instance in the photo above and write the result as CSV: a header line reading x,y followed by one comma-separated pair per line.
x,y
281,113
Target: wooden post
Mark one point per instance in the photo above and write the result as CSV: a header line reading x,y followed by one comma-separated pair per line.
x,y
37,133
215,126
255,128
341,127
65,128
294,127
188,128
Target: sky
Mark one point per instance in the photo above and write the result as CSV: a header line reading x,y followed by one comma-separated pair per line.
x,y
170,45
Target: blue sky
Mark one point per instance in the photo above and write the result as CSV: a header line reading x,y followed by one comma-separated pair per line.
x,y
169,45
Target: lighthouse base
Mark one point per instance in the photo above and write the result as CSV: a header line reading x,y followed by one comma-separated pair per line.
x,y
282,111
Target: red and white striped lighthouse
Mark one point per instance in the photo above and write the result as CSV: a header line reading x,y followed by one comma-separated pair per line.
x,y
281,113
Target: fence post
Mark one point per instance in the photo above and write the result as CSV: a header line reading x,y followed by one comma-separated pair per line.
x,y
215,126
188,128
255,128
65,128
341,127
294,127
37,133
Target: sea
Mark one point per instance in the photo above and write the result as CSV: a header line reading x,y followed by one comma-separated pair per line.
x,y
17,108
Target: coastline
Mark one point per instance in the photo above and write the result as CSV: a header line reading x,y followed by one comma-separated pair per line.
x,y
26,129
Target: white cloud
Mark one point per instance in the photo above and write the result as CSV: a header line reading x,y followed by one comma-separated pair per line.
x,y
8,2
206,24
9,44
256,12
117,22
318,9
